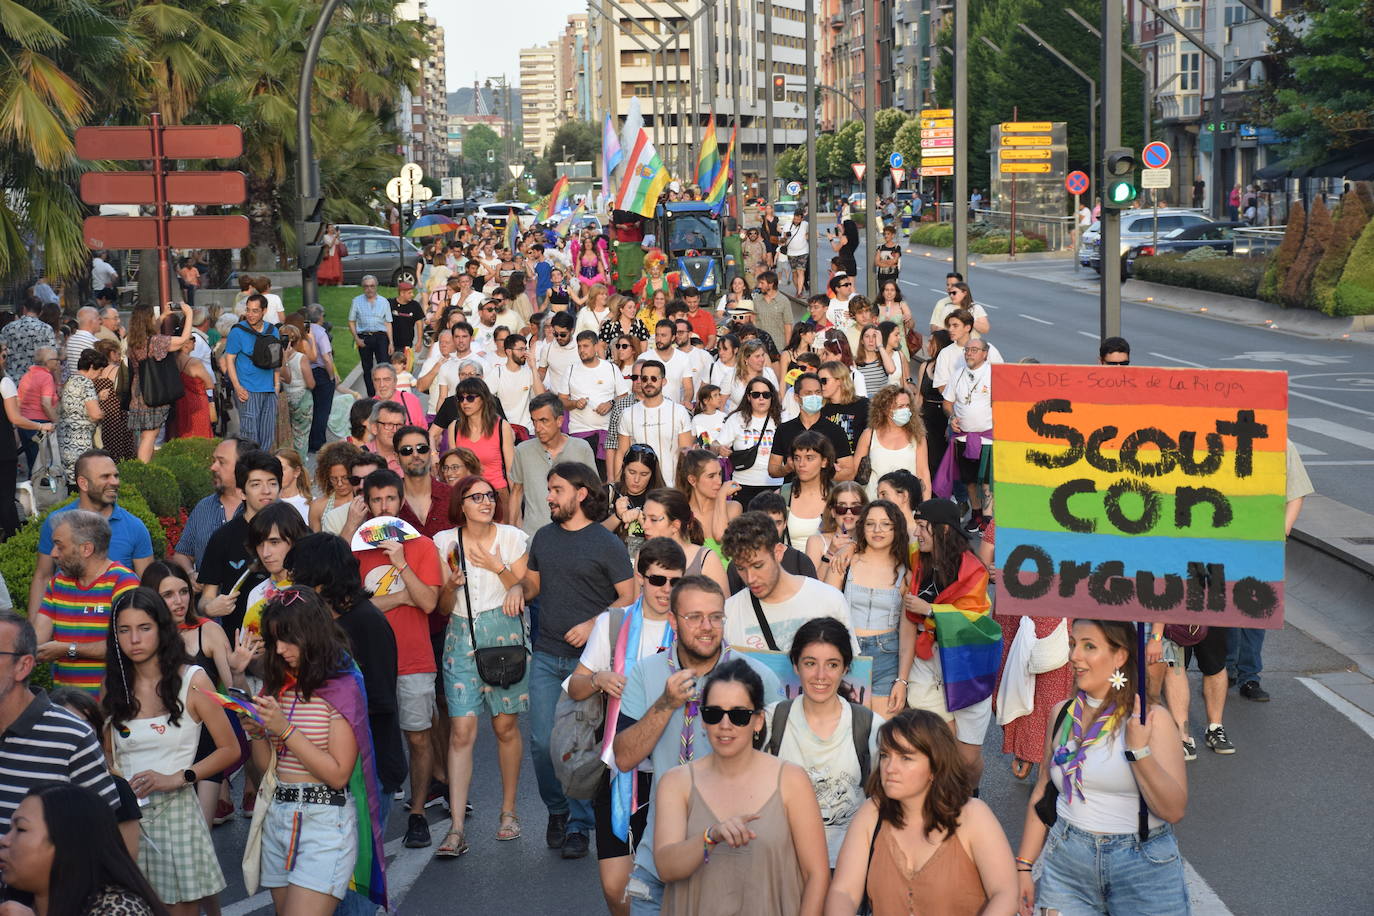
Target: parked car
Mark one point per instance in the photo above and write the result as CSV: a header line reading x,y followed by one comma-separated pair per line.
x,y
1136,227
381,256
355,229
1219,235
784,209
454,208
498,213
586,220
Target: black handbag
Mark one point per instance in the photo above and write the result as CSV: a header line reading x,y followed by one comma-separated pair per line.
x,y
159,381
498,666
743,459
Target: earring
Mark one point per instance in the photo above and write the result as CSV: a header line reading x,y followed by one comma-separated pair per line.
x,y
1118,680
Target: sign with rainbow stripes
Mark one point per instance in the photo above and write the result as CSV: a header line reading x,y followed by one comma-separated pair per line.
x,y
1139,493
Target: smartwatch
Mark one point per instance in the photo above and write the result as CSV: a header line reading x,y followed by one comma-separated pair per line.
x,y
1137,756
189,776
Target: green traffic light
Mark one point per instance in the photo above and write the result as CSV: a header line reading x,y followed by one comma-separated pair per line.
x,y
1120,193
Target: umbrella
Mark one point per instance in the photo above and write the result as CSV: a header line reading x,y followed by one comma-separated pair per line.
x,y
431,224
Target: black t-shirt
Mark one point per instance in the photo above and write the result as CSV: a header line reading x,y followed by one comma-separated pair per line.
x,y
852,418
782,439
225,561
894,248
771,235
850,247
578,571
373,646
404,317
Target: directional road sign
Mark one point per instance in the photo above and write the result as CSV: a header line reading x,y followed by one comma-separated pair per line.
x,y
938,160
1033,140
1076,183
896,160
794,188
1024,168
936,123
1156,155
182,232
935,171
188,141
182,187
1027,127
1025,154
937,112
934,133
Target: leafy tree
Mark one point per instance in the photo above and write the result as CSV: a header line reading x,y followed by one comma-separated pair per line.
x,y
1350,222
791,165
848,149
907,141
478,140
578,140
1355,293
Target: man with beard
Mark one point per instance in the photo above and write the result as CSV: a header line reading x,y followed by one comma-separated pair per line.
x,y
74,615
589,390
214,510
679,369
656,422
97,481
587,570
515,384
529,494
659,709
424,500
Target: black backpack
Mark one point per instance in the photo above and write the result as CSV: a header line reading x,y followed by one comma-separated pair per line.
x,y
860,716
267,351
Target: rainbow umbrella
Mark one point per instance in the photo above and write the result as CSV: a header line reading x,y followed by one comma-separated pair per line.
x,y
431,224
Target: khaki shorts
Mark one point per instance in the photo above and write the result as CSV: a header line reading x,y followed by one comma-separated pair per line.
x,y
415,701
970,723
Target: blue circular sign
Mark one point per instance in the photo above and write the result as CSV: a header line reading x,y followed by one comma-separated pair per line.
x,y
794,188
895,160
1156,155
1076,183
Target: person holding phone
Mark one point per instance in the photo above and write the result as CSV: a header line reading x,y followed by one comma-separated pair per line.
x,y
843,504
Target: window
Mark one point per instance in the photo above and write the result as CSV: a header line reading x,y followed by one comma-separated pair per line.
x,y
1236,13
1192,106
379,245
1191,18
1189,68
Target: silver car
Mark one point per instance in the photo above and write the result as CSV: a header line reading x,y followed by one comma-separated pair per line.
x,y
1136,226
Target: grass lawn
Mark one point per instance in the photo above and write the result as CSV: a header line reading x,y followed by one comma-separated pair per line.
x,y
336,300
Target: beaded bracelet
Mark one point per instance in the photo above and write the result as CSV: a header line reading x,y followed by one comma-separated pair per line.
x,y
706,839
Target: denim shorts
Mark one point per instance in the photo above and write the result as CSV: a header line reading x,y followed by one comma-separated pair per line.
x,y
310,846
1080,873
883,650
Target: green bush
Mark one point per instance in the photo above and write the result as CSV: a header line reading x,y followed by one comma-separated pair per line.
x,y
1284,255
194,479
134,502
1355,291
936,235
983,239
200,451
156,484
1202,254
1227,275
1350,222
998,244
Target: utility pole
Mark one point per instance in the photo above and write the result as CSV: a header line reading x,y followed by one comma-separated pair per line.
x,y
869,270
1109,302
768,96
961,113
732,39
809,109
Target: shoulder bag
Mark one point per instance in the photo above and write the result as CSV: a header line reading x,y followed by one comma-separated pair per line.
x,y
498,666
1184,634
159,381
743,459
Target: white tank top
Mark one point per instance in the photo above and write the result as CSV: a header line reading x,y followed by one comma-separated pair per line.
x,y
155,743
1111,800
883,459
799,529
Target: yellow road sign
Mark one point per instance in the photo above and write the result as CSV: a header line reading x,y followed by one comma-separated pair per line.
x,y
935,171
932,123
1025,154
1027,141
1025,168
937,113
1027,127
937,160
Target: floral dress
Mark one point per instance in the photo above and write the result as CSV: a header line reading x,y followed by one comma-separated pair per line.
x,y
613,329
141,416
76,432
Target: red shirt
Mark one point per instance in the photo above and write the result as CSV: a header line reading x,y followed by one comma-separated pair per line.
x,y
702,323
414,655
437,520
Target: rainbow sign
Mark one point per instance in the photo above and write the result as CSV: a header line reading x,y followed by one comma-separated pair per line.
x,y
1142,494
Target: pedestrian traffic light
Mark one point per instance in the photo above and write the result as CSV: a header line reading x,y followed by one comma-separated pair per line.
x,y
309,235
1120,189
779,88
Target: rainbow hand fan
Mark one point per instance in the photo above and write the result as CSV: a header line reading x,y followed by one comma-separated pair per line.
x,y
383,528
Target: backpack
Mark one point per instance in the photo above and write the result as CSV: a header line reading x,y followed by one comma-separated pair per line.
x,y
267,349
575,741
861,717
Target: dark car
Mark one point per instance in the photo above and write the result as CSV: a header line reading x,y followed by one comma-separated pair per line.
x,y
1217,235
454,208
379,255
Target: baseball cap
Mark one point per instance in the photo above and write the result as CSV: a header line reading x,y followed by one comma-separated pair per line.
x,y
939,512
404,284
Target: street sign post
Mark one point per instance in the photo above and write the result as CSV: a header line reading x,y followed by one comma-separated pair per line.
x,y
793,188
1154,179
1156,155
1076,183
858,168
898,176
895,160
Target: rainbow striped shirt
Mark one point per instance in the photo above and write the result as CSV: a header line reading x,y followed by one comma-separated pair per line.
x,y
82,615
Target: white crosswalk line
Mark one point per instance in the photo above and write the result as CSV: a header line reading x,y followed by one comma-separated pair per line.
x,y
1033,318
1184,362
1203,901
1333,430
1306,450
1088,334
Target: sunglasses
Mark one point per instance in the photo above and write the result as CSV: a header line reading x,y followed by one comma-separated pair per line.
x,y
1119,362
469,398
622,346
355,480
406,451
739,718
760,395
643,448
846,283
658,581
486,496
848,510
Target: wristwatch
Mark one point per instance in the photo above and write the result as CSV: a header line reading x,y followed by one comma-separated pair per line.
x,y
189,776
71,650
1137,756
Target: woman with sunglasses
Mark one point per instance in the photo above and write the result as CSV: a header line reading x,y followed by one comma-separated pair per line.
x,y
480,428
843,406
843,503
872,574
738,824
331,479
752,425
624,351
639,473
155,720
668,515
485,559
701,480
751,363
813,470
623,323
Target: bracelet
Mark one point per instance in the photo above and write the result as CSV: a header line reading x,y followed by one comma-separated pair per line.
x,y
402,568
286,734
1026,870
1026,862
706,838
901,680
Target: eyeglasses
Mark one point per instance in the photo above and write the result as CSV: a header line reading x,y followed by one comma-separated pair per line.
x,y
486,496
878,526
696,620
658,581
739,717
760,395
469,398
622,346
847,510
406,451
397,425
633,377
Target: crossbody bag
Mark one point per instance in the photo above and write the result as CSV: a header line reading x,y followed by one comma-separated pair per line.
x,y
499,666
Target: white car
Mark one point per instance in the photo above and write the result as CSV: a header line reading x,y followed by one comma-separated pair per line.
x,y
497,213
1136,226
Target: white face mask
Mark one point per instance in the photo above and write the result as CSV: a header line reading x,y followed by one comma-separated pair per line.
x,y
901,416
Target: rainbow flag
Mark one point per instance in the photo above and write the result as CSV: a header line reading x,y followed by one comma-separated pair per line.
x,y
513,232
969,640
708,159
611,155
235,706
554,201
347,693
644,179
565,227
715,195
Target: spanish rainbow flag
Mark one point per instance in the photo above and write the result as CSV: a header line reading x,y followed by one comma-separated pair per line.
x,y
644,180
715,195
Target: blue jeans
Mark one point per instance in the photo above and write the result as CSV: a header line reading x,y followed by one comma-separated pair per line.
x,y
323,395
1245,654
1083,873
546,685
354,903
645,892
883,650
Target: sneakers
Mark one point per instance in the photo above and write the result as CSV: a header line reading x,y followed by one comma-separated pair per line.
x,y
1189,749
224,812
1251,690
417,832
557,833
575,846
1218,742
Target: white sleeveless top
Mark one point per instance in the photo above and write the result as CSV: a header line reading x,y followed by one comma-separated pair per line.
x,y
1111,802
883,459
155,743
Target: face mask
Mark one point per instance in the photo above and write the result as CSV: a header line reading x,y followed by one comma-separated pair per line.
x,y
901,416
812,403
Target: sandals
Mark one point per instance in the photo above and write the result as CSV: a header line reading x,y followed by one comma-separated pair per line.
x,y
453,846
1021,768
510,826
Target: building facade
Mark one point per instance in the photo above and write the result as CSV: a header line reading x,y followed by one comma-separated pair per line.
x,y
422,114
541,101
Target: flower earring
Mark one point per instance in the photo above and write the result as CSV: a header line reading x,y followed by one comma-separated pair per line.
x,y
1118,680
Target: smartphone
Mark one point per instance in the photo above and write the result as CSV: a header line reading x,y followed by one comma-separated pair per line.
x,y
239,693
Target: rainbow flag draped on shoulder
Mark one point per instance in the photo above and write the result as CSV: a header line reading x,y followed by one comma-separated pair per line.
x,y
644,178
708,159
554,202
715,194
968,639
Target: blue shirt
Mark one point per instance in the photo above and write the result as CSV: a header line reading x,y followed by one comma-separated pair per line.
x,y
543,275
129,538
371,315
240,344
642,689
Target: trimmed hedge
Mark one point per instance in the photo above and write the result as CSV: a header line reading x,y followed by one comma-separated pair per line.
x,y
155,483
198,450
1283,258
1226,275
983,239
1355,292
193,479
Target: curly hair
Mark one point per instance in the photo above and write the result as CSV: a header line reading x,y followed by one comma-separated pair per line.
x,y
882,404
326,563
749,534
120,703
924,732
332,455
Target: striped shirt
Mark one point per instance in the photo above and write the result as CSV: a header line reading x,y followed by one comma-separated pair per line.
x,y
82,615
313,718
48,744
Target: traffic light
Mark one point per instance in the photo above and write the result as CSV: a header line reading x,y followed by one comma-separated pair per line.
x,y
308,238
779,88
1120,189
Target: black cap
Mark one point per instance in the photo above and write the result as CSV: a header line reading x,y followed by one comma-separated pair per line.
x,y
939,512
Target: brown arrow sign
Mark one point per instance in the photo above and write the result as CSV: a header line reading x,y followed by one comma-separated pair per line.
x,y
182,187
182,232
188,141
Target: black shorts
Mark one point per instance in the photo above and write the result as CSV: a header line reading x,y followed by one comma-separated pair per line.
x,y
971,470
1210,653
608,845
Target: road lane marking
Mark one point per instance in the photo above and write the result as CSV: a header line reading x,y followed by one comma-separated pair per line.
x,y
1305,450
1088,334
1033,318
1333,430
1202,899
1312,397
1175,359
1361,719
1340,464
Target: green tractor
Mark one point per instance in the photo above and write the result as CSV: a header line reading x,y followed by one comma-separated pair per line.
x,y
691,234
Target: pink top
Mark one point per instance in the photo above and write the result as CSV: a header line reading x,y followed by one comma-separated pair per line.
x,y
488,451
34,385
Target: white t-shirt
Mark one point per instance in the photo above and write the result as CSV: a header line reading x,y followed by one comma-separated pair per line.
x,y
951,362
814,599
741,433
971,394
720,375
598,383
484,586
588,320
735,393
556,358
302,506
468,303
658,427
798,239
596,651
944,308
701,361
676,368
445,383
709,425
8,389
275,313
513,389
